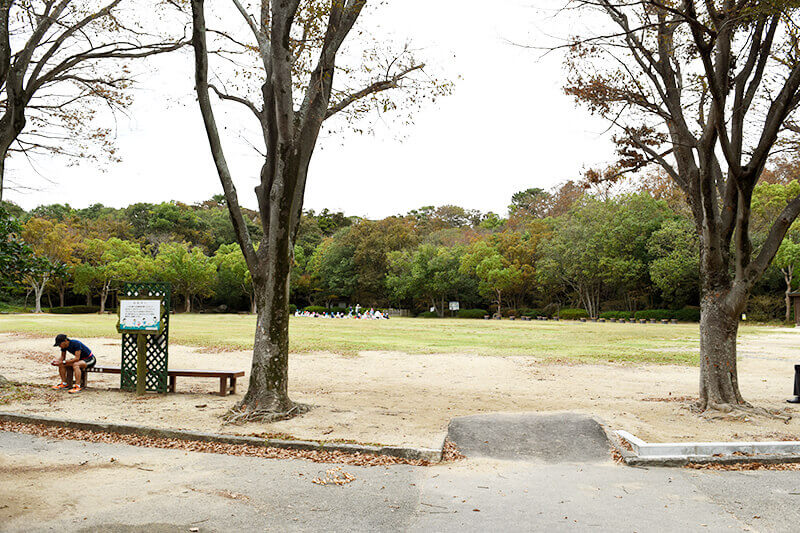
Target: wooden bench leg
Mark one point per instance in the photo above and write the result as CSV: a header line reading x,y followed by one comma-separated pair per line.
x,y
172,384
84,373
223,386
70,377
233,385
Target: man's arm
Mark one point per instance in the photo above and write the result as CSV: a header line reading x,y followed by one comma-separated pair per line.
x,y
76,357
61,361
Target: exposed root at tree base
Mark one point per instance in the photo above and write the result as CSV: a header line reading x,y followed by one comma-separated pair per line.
x,y
244,414
728,411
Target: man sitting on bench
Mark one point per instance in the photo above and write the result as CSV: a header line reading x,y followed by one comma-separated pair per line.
x,y
82,359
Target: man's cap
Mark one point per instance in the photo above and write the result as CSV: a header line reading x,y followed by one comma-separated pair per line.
x,y
60,338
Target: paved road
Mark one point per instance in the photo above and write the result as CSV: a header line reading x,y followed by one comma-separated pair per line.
x,y
75,486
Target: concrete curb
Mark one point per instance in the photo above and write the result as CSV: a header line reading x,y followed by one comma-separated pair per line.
x,y
415,454
642,453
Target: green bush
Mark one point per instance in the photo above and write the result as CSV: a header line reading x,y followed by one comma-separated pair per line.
x,y
292,309
656,314
75,310
533,313
766,308
624,315
573,314
688,314
316,309
12,308
472,313
536,312
428,314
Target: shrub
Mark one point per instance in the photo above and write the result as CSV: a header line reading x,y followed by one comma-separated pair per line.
x,y
688,314
533,313
657,314
624,315
428,314
573,314
75,310
292,309
334,310
766,308
472,313
316,309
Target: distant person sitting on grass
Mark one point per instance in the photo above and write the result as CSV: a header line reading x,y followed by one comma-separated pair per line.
x,y
82,358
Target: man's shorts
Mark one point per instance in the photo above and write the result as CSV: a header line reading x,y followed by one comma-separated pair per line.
x,y
90,361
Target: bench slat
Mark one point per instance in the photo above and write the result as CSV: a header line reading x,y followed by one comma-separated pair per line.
x,y
176,372
206,373
227,378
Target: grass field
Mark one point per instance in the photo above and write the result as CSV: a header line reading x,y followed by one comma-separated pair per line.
x,y
654,343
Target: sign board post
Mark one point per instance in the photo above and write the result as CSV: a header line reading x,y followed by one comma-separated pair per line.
x,y
144,325
454,306
141,363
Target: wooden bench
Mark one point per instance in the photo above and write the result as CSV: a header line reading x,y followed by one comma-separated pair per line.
x,y
227,379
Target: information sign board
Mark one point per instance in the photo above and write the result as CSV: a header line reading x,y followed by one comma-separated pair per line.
x,y
454,306
140,315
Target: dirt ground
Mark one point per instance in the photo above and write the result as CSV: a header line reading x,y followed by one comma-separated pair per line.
x,y
401,399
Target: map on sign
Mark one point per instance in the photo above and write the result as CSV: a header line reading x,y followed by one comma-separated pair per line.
x,y
140,315
454,306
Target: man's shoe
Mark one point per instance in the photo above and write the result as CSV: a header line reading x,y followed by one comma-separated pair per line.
x,y
76,388
60,386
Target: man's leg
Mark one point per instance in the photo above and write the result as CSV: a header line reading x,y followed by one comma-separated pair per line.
x,y
77,368
62,371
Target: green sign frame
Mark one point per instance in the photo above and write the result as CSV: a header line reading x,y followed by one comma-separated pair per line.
x,y
145,354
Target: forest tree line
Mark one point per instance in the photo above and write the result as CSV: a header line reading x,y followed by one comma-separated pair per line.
x,y
577,246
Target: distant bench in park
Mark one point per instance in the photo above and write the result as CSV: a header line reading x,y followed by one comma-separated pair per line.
x,y
227,379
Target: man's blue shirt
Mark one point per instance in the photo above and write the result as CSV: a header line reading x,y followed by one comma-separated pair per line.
x,y
74,346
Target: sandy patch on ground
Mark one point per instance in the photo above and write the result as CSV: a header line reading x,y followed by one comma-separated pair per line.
x,y
397,398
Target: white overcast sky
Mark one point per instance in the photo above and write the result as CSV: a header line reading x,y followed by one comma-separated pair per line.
x,y
508,126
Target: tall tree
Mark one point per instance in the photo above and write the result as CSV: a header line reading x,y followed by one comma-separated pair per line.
x,y
15,254
54,246
705,90
190,271
294,46
53,72
497,275
788,259
232,275
675,265
106,264
429,273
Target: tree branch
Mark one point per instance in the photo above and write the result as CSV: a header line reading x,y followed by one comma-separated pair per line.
x,y
201,87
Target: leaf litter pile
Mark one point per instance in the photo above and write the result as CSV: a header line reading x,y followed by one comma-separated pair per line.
x,y
745,466
316,456
335,476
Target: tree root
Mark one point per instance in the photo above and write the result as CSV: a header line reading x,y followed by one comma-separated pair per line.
x,y
243,414
728,411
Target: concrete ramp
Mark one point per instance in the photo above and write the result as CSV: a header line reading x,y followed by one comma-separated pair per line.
x,y
553,438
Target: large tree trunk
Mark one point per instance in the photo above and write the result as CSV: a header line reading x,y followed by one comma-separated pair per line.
x,y
719,327
2,174
62,296
188,303
89,298
268,390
